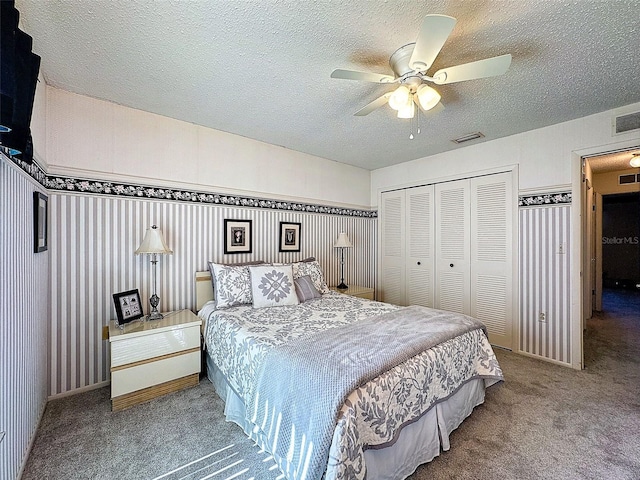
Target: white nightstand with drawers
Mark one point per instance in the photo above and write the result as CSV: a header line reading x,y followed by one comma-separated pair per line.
x,y
357,291
151,358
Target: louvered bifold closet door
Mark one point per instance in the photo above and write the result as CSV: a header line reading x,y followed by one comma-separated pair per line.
x,y
492,242
420,246
453,279
392,232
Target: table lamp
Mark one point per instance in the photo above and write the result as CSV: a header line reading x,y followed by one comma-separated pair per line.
x,y
153,244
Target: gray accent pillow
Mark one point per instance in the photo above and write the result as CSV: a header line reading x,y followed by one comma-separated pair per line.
x,y
272,286
305,289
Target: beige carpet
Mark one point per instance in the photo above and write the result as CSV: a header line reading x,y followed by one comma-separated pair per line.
x,y
544,422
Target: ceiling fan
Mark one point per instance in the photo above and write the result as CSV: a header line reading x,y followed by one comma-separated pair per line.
x,y
410,64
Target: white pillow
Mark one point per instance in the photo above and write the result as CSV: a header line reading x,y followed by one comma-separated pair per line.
x,y
313,269
232,285
272,286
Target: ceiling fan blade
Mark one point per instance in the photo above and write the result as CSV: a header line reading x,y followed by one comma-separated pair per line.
x,y
434,32
489,67
377,103
363,76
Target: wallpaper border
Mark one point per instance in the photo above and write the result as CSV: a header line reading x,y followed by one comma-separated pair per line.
x,y
121,189
544,199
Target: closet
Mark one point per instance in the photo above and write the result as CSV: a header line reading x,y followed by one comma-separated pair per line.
x,y
450,246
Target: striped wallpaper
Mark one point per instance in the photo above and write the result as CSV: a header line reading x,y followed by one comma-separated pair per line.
x,y
545,282
92,243
24,299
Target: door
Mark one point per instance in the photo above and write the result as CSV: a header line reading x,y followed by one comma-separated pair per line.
x,y
392,212
598,253
452,265
420,246
492,241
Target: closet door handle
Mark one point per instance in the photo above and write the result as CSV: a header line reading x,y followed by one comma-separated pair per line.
x,y
419,263
451,265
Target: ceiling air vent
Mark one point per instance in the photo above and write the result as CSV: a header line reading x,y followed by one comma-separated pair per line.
x,y
626,123
626,179
468,138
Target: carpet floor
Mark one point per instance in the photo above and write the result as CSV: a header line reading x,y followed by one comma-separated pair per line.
x,y
543,422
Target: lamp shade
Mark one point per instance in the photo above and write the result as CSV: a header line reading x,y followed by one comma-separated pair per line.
x,y
407,112
400,98
343,241
635,160
427,97
153,242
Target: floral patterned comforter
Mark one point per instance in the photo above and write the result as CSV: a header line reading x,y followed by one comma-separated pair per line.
x,y
238,338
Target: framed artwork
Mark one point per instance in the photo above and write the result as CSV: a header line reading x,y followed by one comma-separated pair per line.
x,y
128,307
40,220
237,236
289,237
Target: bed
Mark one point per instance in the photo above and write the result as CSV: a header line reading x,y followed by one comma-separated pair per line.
x,y
380,422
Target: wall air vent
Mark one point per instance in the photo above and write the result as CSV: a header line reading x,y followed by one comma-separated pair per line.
x,y
468,138
626,123
626,179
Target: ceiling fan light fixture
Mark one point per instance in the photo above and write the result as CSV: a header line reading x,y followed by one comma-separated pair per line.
x,y
401,98
408,111
635,160
428,97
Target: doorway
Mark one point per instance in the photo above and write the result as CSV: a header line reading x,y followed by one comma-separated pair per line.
x,y
611,233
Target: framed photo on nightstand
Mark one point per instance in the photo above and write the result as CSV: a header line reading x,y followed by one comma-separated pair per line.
x,y
128,307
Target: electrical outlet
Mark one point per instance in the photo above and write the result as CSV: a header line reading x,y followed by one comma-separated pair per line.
x,y
105,333
542,317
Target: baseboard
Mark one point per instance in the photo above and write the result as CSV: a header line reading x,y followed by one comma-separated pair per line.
x,y
545,359
75,391
32,440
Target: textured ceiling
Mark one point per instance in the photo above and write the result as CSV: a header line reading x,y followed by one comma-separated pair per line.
x,y
261,69
612,162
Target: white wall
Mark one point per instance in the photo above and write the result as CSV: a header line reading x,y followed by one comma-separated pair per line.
x,y
543,155
105,141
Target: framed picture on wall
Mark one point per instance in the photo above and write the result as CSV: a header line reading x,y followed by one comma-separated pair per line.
x,y
237,236
289,237
40,220
128,307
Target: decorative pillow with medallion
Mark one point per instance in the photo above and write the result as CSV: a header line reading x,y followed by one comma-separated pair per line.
x,y
272,286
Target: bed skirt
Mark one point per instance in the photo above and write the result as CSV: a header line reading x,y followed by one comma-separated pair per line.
x,y
417,443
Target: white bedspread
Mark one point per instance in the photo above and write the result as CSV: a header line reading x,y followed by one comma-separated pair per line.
x,y
238,338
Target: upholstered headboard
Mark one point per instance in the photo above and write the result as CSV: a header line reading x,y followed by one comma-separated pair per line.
x,y
204,288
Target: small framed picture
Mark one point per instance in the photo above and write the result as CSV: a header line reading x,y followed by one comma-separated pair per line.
x,y
40,218
237,236
289,237
128,306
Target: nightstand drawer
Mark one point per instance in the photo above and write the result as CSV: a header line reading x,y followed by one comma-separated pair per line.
x,y
130,379
136,349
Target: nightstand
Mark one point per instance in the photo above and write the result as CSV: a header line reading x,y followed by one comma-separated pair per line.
x,y
151,358
357,291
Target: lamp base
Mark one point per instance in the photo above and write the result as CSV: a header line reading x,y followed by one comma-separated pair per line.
x,y
342,286
155,316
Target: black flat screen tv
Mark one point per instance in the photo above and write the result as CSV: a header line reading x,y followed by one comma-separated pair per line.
x,y
18,80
